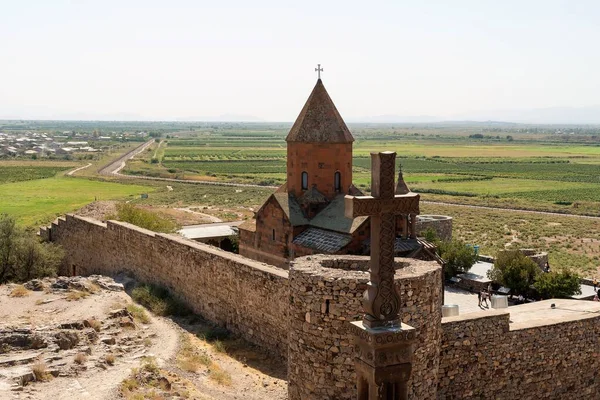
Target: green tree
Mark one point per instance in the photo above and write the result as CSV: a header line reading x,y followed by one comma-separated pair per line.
x,y
558,284
514,270
23,256
457,255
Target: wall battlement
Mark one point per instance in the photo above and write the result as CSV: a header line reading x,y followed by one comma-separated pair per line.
x,y
527,352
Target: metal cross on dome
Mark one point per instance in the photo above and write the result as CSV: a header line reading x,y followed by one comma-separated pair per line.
x,y
319,70
381,302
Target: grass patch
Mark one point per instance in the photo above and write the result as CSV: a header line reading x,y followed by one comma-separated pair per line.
x,y
190,358
76,295
139,314
95,324
219,375
80,358
109,359
219,346
40,371
19,291
143,218
39,201
159,300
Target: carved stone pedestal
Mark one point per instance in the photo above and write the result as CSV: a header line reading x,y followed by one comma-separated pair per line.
x,y
384,360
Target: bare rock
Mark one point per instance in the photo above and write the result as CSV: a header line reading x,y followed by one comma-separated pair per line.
x,y
35,285
66,340
118,313
108,340
79,325
127,322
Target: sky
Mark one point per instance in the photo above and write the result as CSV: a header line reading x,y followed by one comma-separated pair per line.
x,y
174,59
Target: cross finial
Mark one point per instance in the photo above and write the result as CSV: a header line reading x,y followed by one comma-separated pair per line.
x,y
319,70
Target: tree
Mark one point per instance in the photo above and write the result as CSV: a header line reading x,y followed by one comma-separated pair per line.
x,y
560,284
514,270
23,256
457,255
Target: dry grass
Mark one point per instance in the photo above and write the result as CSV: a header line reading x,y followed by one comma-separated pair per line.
x,y
80,358
95,324
192,359
219,346
139,313
76,295
219,375
19,291
40,371
110,359
39,302
147,342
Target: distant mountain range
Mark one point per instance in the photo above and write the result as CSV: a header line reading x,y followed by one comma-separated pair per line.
x,y
553,115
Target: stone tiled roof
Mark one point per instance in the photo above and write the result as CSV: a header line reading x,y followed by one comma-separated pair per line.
x,y
291,208
248,225
319,121
401,246
322,240
333,217
313,196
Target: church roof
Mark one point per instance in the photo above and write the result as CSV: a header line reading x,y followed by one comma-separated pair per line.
x,y
322,240
319,121
333,217
313,196
401,187
291,208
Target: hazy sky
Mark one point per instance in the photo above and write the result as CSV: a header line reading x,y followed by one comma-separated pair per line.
x,y
173,59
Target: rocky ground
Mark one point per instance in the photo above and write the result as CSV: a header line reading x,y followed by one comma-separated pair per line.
x,y
84,338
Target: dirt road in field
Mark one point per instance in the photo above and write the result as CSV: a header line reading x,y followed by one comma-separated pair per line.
x,y
116,166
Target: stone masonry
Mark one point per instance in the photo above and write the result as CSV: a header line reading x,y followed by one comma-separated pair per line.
x,y
303,315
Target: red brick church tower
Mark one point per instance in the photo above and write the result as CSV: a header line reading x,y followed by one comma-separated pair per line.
x,y
306,215
319,148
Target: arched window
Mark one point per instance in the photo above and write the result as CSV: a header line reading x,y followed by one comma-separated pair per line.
x,y
304,180
337,181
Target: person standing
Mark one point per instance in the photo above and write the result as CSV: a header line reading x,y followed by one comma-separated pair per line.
x,y
595,283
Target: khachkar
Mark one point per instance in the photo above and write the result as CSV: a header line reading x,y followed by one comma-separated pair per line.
x,y
384,344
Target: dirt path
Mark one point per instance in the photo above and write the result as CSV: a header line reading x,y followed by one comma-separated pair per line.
x,y
70,173
209,217
235,370
104,385
511,209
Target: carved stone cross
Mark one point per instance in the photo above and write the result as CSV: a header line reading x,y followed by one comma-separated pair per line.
x,y
381,302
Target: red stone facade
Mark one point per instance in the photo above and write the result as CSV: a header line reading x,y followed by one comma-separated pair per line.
x,y
269,242
320,161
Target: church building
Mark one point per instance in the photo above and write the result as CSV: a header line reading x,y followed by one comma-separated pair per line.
x,y
306,215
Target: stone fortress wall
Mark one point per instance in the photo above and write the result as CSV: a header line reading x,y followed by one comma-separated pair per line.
x,y
247,297
441,224
486,357
302,314
326,295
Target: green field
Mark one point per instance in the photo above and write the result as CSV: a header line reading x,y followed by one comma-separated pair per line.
x,y
37,202
533,170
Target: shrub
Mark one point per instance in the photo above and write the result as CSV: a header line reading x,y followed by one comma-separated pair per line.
x,y
143,218
558,284
22,256
159,300
139,314
109,358
514,270
95,324
40,371
457,255
80,358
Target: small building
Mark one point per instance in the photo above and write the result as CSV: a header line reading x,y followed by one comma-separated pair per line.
x,y
219,234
